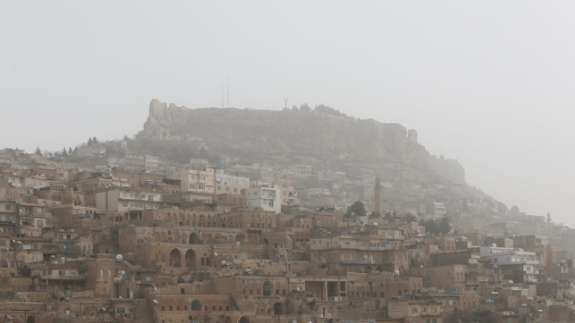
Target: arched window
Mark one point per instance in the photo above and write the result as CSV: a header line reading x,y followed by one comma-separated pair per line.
x,y
175,258
278,309
190,259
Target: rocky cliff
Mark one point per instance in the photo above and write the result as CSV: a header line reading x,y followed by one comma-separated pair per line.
x,y
320,136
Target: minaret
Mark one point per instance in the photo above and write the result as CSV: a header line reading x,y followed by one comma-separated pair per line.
x,y
377,197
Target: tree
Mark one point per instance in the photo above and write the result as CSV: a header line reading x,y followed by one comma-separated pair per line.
x,y
437,227
305,108
410,217
472,317
38,152
196,305
327,110
444,225
374,215
355,210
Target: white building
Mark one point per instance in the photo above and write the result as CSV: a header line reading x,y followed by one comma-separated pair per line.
x,y
494,251
230,184
509,256
266,197
200,181
510,259
122,201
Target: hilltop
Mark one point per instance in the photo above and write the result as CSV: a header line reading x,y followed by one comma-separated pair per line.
x,y
320,140
319,136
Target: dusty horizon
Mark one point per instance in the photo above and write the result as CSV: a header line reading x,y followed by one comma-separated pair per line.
x,y
482,83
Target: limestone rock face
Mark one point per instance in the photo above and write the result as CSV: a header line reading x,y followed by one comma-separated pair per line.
x,y
297,134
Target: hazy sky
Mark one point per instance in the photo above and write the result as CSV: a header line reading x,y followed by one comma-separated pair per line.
x,y
490,83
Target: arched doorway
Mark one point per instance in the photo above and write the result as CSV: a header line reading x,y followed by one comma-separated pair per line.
x,y
190,259
278,309
244,319
267,289
175,258
194,238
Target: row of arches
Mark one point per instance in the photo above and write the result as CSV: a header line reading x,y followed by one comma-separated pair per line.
x,y
194,237
215,220
196,305
267,289
175,259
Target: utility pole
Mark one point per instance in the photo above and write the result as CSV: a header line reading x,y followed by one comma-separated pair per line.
x,y
228,92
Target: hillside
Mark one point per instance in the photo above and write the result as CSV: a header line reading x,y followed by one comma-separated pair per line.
x,y
343,154
321,136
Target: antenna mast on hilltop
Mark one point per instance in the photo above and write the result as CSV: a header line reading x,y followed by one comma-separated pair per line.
x,y
228,92
223,96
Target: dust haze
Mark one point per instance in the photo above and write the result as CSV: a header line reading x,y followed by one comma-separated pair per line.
x,y
487,83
